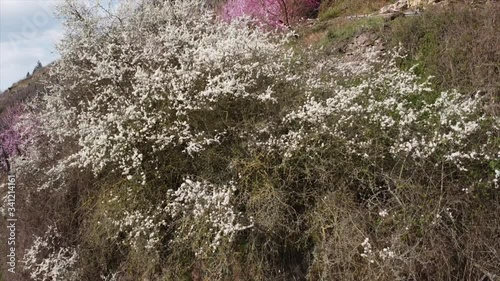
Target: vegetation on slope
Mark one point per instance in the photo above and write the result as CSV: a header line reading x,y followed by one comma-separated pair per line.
x,y
173,145
456,44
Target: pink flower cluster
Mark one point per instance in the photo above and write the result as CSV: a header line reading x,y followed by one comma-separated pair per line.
x,y
10,137
275,13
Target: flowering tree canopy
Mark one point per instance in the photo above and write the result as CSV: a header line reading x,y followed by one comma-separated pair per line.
x,y
10,139
188,123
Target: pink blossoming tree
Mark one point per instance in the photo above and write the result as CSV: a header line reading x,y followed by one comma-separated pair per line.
x,y
10,139
275,13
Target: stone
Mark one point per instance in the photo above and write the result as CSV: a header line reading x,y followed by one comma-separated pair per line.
x,y
399,6
421,3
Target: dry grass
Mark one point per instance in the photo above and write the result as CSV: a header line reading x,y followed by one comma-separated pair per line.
x,y
458,44
339,8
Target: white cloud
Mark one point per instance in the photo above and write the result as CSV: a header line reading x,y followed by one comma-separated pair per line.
x,y
28,33
17,8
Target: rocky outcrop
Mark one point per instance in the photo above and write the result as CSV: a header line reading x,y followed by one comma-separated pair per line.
x,y
399,6
421,3
402,5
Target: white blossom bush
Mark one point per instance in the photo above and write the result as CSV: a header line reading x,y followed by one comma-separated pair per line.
x,y
198,143
390,114
201,208
140,228
127,96
48,261
140,84
206,210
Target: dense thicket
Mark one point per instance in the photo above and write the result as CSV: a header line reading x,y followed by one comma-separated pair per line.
x,y
178,146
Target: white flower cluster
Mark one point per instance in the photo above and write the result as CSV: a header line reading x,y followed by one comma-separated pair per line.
x,y
141,229
390,106
367,250
371,255
3,203
110,277
383,213
199,207
46,261
386,253
130,221
139,88
496,180
202,203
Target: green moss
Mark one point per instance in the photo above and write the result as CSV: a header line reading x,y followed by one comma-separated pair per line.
x,y
332,12
344,30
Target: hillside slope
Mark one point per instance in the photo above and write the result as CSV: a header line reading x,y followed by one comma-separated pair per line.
x,y
175,145
24,89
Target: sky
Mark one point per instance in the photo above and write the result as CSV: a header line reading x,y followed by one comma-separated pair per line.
x,y
28,32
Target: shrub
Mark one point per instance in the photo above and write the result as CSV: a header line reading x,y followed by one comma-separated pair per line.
x,y
456,44
59,262
213,151
173,86
10,139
